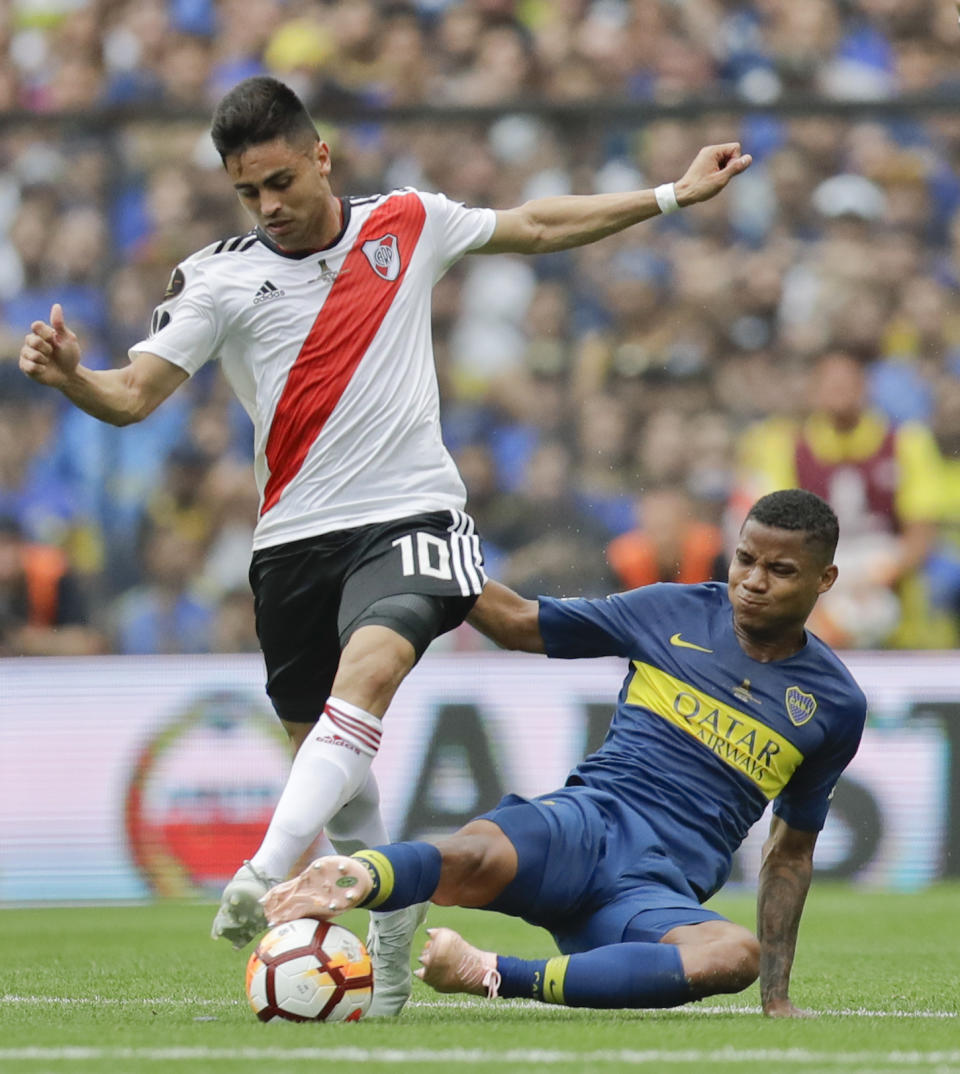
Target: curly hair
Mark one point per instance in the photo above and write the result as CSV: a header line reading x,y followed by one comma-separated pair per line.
x,y
797,509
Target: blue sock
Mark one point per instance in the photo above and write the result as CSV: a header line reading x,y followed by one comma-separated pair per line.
x,y
621,975
403,874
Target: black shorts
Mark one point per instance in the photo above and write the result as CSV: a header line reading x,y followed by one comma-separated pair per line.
x,y
308,595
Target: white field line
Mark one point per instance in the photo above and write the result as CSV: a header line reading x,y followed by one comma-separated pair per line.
x,y
692,1009
453,1004
896,1060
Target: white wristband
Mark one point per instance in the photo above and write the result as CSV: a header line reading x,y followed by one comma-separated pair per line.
x,y
666,196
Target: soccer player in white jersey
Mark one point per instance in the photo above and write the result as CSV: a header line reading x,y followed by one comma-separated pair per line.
x,y
320,318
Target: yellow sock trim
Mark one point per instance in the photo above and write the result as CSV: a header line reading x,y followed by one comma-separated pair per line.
x,y
553,975
381,873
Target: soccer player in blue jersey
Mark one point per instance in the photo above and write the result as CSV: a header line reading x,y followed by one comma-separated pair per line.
x,y
728,704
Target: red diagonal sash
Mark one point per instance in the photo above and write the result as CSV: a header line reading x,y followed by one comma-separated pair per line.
x,y
334,347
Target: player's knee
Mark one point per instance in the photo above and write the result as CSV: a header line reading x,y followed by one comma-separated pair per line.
x,y
474,867
744,961
372,666
728,962
463,859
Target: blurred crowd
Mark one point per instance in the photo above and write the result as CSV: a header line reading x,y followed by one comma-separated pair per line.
x,y
614,410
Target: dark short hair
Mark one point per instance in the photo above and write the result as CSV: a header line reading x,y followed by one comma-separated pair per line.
x,y
258,110
797,509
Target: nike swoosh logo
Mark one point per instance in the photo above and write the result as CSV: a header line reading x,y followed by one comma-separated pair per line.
x,y
675,639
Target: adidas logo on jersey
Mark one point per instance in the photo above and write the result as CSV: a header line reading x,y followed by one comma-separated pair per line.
x,y
266,292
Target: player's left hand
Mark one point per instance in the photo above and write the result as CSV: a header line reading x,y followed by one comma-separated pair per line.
x,y
783,1008
712,168
327,887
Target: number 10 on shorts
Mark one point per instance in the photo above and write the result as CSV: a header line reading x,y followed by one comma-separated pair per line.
x,y
432,557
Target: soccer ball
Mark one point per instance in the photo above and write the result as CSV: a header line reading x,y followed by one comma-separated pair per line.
x,y
310,971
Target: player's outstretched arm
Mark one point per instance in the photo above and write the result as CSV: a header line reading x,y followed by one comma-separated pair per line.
x,y
510,620
51,355
548,224
784,881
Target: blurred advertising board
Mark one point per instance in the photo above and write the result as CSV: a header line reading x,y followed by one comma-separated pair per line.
x,y
129,778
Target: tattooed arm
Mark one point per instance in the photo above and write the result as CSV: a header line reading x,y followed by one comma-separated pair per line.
x,y
784,879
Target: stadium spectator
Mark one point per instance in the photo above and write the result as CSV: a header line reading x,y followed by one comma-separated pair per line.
x,y
548,539
604,471
234,627
43,609
230,492
179,501
618,862
853,457
165,613
669,544
930,457
478,468
36,487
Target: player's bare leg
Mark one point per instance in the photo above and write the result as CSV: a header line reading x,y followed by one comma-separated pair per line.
x,y
327,887
479,861
450,964
718,956
374,663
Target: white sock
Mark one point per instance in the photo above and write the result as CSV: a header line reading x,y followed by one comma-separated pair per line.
x,y
359,825
330,768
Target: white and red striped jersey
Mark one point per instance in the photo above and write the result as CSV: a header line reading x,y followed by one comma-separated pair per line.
x,y
330,354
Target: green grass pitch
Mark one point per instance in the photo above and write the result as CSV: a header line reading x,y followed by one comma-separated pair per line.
x,y
98,990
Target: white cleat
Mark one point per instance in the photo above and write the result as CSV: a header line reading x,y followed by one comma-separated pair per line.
x,y
390,942
241,917
327,887
450,964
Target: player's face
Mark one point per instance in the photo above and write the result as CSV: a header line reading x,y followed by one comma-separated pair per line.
x,y
774,581
284,187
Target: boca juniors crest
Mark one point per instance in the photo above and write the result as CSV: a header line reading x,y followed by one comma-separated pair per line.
x,y
384,256
800,706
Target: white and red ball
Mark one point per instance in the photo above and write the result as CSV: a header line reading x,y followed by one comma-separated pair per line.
x,y
310,971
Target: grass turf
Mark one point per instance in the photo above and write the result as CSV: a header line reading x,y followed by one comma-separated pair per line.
x,y
125,989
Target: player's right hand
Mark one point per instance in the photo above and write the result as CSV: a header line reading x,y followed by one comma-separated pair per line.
x,y
50,353
783,1008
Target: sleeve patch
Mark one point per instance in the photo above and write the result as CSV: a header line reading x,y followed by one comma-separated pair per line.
x,y
175,284
159,320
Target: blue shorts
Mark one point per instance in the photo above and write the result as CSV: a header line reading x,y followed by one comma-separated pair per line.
x,y
591,871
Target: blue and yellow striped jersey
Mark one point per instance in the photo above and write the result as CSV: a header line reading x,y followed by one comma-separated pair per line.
x,y
704,736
